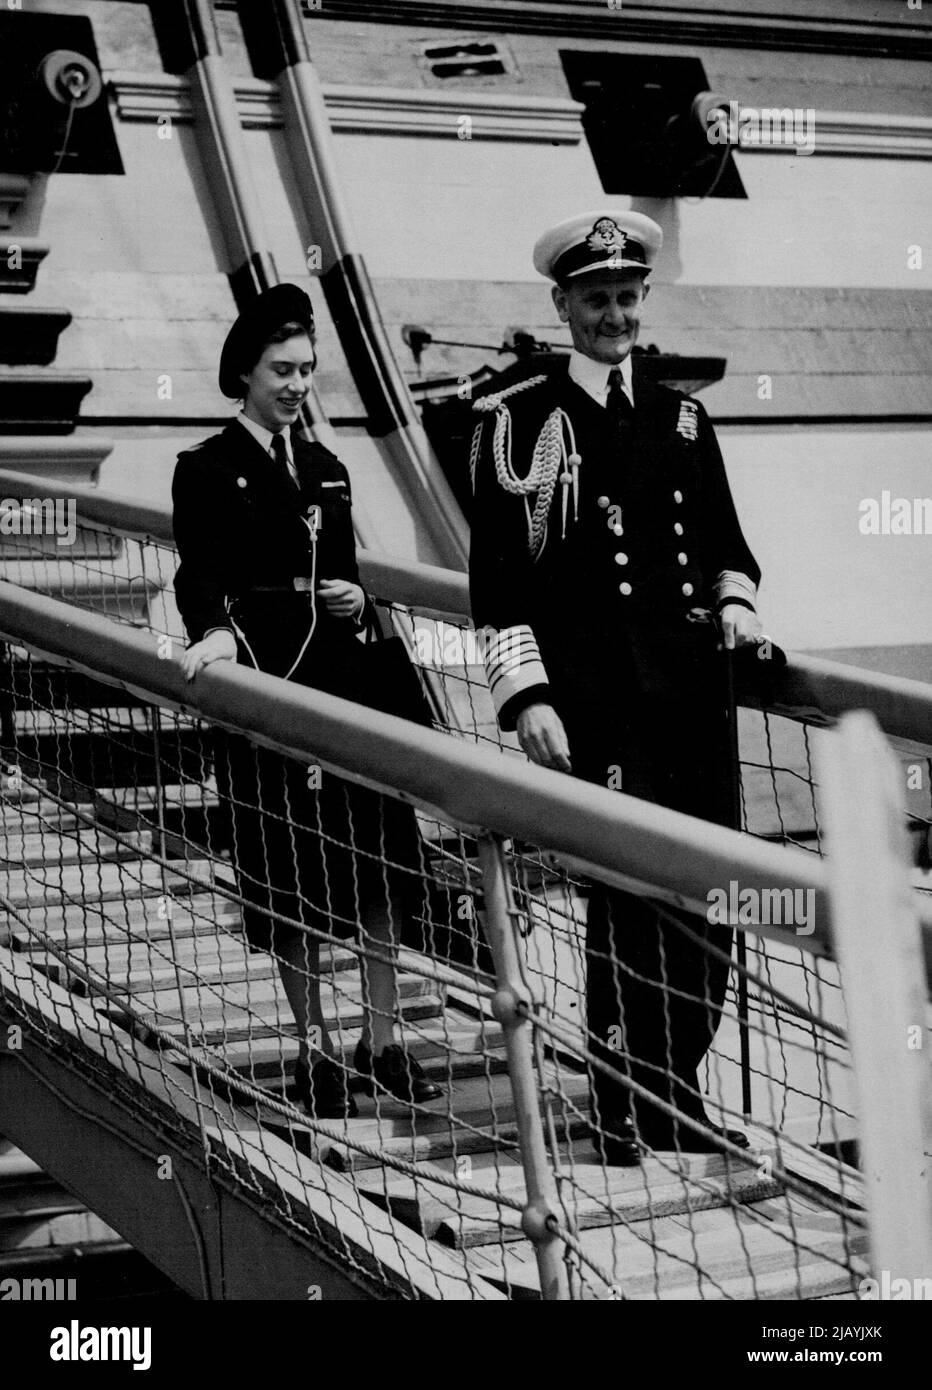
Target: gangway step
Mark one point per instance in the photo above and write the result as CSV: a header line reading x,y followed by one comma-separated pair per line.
x,y
149,965
85,883
595,1196
55,846
225,961
484,1120
119,920
780,1248
42,813
108,721
257,998
444,1045
221,962
240,1025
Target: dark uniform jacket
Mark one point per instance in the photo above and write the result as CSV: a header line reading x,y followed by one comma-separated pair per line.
x,y
621,621
241,534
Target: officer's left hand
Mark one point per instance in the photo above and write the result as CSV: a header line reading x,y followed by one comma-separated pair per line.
x,y
341,598
739,627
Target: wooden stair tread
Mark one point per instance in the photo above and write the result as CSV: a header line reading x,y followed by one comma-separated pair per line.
x,y
668,1260
445,1033
44,813
233,964
483,1117
124,958
100,882
216,1002
444,1048
54,846
102,719
596,1199
241,1025
118,919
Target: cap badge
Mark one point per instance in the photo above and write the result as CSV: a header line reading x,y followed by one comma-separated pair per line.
x,y
607,236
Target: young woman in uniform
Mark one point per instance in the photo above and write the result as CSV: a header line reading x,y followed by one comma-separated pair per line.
x,y
268,577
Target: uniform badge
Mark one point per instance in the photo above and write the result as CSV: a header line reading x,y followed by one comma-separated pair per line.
x,y
688,423
607,236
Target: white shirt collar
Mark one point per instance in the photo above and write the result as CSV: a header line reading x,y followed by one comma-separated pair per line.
x,y
593,376
265,437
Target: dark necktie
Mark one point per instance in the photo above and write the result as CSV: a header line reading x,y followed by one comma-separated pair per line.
x,y
280,455
619,407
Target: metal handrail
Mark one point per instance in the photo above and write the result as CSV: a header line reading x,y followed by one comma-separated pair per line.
x,y
605,834
821,690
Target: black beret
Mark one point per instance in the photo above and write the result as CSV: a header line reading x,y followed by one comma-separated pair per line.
x,y
252,330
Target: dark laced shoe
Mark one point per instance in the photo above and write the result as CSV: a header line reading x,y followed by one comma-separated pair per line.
x,y
666,1135
616,1144
397,1072
323,1090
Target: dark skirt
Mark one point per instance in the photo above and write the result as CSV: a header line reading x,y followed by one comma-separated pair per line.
x,y
307,845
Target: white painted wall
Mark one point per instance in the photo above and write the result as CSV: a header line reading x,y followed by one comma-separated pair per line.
x,y
451,209
798,492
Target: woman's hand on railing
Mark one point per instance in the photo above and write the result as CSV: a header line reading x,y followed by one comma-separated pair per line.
x,y
218,645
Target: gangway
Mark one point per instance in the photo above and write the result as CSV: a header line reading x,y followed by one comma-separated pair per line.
x,y
137,1025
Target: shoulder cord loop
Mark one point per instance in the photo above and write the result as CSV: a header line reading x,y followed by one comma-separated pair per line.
x,y
484,406
553,458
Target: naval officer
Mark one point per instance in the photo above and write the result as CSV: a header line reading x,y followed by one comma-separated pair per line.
x,y
608,560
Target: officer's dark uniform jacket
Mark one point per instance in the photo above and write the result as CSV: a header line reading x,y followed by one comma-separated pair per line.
x,y
622,593
240,530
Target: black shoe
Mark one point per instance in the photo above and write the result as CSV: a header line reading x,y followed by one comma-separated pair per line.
x,y
670,1136
733,1136
323,1090
616,1144
395,1071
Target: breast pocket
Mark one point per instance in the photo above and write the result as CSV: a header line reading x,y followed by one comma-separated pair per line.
x,y
333,502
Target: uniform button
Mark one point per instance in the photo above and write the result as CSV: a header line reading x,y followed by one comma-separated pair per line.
x,y
677,527
677,496
618,529
621,558
624,589
683,557
687,589
602,502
